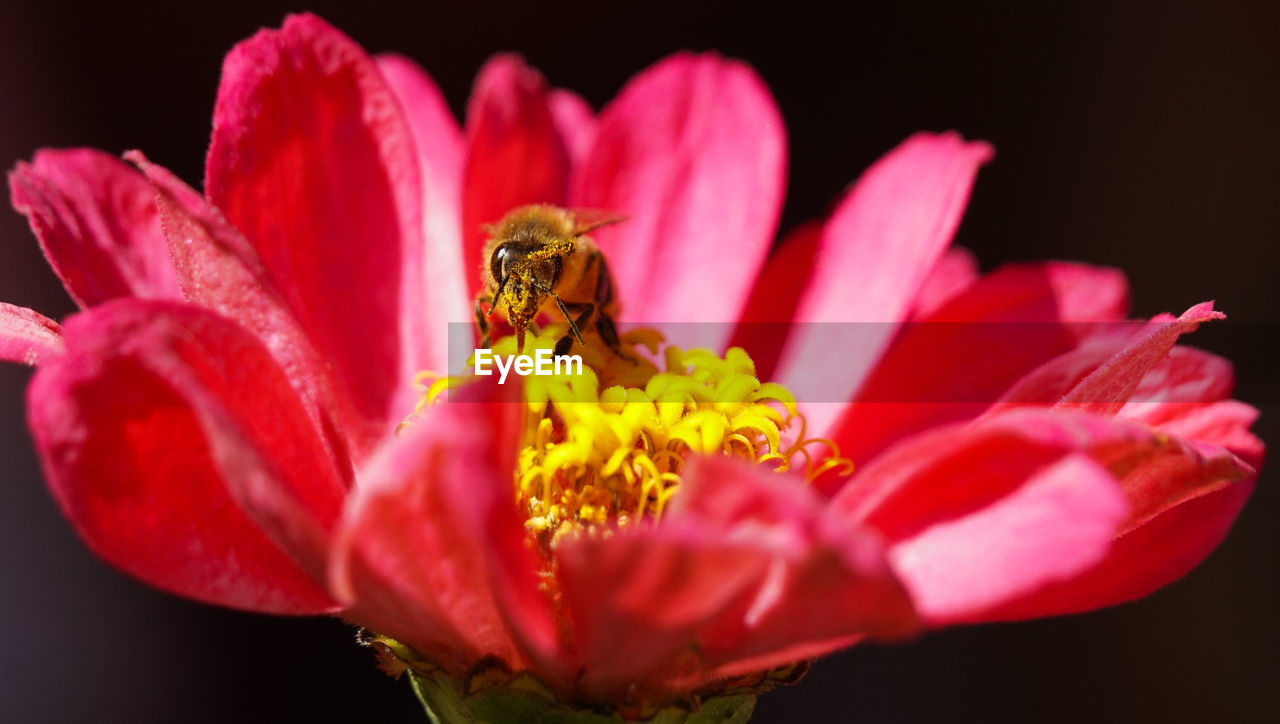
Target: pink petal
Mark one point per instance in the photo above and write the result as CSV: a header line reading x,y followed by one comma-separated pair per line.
x,y
954,364
575,122
95,218
169,438
440,156
1185,375
1123,362
312,160
1186,395
826,580
1107,388
515,155
950,472
640,598
745,569
766,318
953,473
1057,524
955,271
1052,291
431,549
218,269
28,337
1141,560
1224,424
876,250
693,152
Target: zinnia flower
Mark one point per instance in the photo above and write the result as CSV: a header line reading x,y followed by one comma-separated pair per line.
x,y
935,446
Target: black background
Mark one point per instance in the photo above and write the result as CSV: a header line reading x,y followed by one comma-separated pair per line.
x,y
1144,137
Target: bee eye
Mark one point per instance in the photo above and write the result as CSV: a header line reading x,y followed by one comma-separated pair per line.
x,y
498,264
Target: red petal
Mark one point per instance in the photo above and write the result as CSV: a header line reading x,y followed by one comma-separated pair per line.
x,y
1060,522
876,250
28,337
960,360
1121,362
157,426
312,160
639,599
440,156
744,570
96,220
515,155
1186,375
953,473
694,153
955,271
1186,395
1142,560
827,581
1107,388
766,319
1042,292
431,549
218,269
575,122
1225,424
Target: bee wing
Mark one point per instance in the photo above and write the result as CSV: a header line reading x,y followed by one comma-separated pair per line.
x,y
585,220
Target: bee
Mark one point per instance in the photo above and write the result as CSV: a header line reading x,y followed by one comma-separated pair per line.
x,y
537,257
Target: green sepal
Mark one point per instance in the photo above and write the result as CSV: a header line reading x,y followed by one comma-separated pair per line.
x,y
524,700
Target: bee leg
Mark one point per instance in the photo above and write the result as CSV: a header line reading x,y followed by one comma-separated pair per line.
x,y
609,335
575,324
564,309
604,297
482,320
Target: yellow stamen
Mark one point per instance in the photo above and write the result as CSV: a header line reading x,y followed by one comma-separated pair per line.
x,y
597,458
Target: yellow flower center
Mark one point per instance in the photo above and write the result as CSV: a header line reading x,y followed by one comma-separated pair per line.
x,y
607,447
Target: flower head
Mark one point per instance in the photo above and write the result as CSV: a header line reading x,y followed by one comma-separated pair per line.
x,y
868,439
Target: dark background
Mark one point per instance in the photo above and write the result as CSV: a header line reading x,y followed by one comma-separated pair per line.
x,y
1142,137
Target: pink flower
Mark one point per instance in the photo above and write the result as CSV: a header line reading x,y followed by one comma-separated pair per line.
x,y
219,419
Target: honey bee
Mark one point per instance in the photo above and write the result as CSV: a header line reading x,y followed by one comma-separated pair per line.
x,y
536,257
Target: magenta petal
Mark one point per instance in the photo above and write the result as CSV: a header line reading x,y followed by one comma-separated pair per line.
x,y
575,122
1060,522
218,269
174,444
1223,424
28,337
431,549
950,474
876,250
766,318
1107,388
1186,395
955,271
639,599
95,218
964,357
1185,375
311,159
745,569
515,154
827,581
694,153
440,155
1141,560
